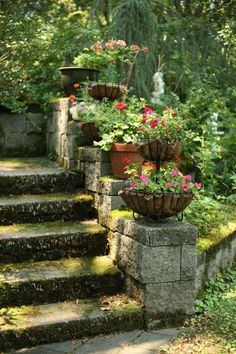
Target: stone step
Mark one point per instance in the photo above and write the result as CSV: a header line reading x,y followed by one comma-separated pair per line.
x,y
51,240
33,325
45,207
50,281
36,176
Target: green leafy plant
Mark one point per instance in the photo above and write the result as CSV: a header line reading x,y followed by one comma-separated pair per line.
x,y
120,122
168,125
104,56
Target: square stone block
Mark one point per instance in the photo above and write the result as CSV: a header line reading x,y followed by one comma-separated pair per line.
x,y
167,232
35,144
35,123
188,262
12,123
60,105
93,171
168,298
52,123
111,186
91,154
14,145
143,263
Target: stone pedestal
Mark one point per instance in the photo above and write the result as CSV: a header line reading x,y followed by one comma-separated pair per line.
x,y
159,263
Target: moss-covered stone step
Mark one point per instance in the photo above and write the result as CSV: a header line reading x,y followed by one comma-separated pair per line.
x,y
50,281
36,176
33,325
51,240
45,207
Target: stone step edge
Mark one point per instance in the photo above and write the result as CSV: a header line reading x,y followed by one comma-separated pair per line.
x,y
34,325
46,207
65,279
50,228
51,240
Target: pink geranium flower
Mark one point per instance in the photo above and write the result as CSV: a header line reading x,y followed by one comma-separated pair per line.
x,y
174,173
198,185
121,43
133,184
170,184
143,178
188,177
184,186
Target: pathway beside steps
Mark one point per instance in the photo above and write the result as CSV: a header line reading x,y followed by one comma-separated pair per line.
x,y
57,281
135,342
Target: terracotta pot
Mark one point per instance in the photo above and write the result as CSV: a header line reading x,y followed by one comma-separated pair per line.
x,y
89,130
73,75
113,92
118,155
160,150
155,205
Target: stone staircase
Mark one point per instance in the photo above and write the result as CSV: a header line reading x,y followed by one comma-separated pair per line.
x,y
56,281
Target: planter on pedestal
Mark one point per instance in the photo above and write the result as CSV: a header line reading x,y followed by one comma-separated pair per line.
x,y
155,150
73,75
118,155
110,91
155,205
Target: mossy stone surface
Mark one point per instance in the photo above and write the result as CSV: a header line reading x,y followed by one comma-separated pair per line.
x,y
36,176
30,325
64,279
51,240
45,207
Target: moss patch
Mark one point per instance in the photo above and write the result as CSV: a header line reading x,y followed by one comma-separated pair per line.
x,y
108,178
215,236
116,213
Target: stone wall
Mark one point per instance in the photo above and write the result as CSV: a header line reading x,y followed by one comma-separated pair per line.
x,y
22,134
218,259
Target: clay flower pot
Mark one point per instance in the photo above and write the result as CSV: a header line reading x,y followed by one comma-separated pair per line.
x,y
89,130
120,154
155,205
155,150
110,91
72,75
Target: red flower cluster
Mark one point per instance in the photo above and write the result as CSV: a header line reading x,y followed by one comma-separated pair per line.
x,y
120,106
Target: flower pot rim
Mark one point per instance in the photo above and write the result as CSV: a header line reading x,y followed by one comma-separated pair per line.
x,y
123,147
128,189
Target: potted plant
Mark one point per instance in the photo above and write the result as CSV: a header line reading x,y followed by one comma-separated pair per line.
x,y
162,134
102,57
119,130
158,194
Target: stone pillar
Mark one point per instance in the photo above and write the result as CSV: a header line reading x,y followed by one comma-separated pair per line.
x,y
95,163
159,263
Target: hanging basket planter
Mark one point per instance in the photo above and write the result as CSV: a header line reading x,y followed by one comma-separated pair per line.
x,y
160,150
110,91
89,130
155,205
